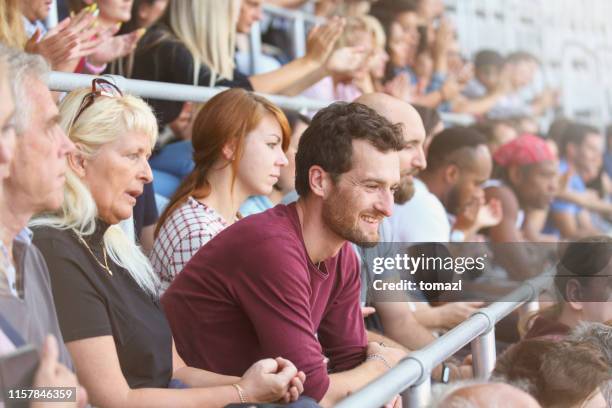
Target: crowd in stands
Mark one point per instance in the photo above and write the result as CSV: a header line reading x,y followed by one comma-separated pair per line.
x,y
161,253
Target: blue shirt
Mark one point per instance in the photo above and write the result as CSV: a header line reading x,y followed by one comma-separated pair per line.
x,y
575,184
255,205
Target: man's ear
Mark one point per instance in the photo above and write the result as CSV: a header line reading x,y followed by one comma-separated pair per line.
x,y
320,181
451,174
77,162
514,174
574,295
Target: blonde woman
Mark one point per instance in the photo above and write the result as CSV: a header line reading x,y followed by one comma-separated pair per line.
x,y
12,32
104,286
195,43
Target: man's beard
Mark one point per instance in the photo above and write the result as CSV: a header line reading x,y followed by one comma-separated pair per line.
x,y
339,215
405,190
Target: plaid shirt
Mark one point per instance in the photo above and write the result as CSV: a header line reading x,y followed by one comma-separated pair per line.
x,y
186,230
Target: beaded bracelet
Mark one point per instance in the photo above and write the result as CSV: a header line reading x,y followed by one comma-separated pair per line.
x,y
240,391
378,357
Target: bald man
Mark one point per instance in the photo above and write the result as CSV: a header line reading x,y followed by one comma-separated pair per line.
x,y
395,319
487,395
412,158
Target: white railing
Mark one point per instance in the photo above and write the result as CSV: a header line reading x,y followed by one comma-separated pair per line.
x,y
64,82
413,373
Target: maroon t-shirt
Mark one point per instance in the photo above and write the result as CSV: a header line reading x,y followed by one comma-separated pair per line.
x,y
252,292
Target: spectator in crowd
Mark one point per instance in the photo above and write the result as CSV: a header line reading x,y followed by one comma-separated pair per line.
x,y
582,293
347,87
474,394
395,319
608,154
238,153
199,37
519,71
487,87
34,184
105,289
458,166
62,46
558,374
582,154
497,132
347,168
112,14
12,32
432,121
145,13
525,179
50,372
286,182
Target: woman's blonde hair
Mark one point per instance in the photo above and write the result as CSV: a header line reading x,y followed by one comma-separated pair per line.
x,y
101,123
208,29
12,32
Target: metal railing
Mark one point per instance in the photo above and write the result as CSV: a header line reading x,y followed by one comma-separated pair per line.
x,y
412,374
60,81
64,82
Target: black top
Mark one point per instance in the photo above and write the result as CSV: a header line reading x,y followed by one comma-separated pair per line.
x,y
162,57
91,303
145,211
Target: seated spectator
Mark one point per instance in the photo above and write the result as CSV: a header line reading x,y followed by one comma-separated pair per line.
x,y
296,273
238,153
473,394
105,289
459,163
348,87
145,13
199,37
286,182
112,14
608,154
34,184
581,160
558,374
395,319
497,132
525,179
487,87
582,295
12,31
519,70
432,121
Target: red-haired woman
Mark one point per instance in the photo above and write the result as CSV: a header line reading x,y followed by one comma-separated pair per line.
x,y
239,142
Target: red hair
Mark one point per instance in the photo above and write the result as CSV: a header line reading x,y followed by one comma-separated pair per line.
x,y
226,118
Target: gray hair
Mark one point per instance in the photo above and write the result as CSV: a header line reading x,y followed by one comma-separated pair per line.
x,y
23,67
442,394
599,335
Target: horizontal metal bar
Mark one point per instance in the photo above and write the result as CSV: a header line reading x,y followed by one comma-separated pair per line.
x,y
292,14
64,82
417,367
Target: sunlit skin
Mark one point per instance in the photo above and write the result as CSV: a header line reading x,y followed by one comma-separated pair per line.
x,y
116,174
250,12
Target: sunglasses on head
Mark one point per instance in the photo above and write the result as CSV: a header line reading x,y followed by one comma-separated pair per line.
x,y
99,87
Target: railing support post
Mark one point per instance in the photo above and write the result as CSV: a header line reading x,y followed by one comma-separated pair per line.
x,y
299,36
483,354
418,395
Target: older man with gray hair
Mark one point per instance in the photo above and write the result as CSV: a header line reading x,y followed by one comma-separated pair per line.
x,y
35,185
